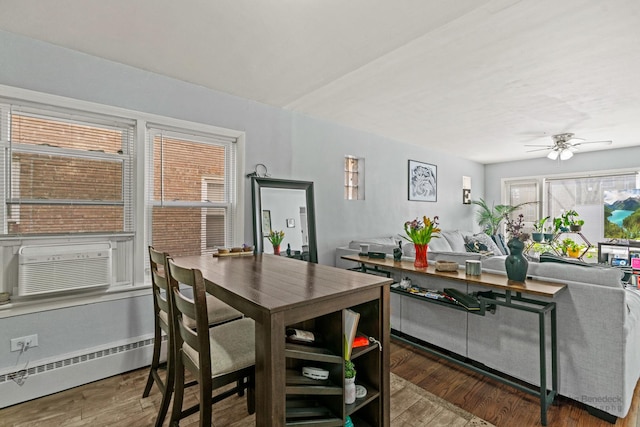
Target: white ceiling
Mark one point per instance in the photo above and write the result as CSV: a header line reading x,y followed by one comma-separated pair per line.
x,y
474,78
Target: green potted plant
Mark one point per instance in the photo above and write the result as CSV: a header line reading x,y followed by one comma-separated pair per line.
x,y
538,226
548,233
570,248
349,382
490,217
276,237
575,224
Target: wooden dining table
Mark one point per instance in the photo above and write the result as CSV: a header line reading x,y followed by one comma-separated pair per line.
x,y
278,291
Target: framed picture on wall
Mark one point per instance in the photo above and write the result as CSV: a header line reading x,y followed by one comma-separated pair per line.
x,y
266,222
423,181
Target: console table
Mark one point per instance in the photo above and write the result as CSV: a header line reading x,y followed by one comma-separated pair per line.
x,y
516,297
279,292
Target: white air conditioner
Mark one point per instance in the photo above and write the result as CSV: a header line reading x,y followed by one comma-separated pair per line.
x,y
45,269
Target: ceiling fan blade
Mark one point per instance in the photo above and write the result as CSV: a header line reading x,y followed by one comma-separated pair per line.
x,y
539,145
540,149
609,142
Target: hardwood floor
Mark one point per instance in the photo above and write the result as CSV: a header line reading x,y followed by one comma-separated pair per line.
x,y
490,400
117,401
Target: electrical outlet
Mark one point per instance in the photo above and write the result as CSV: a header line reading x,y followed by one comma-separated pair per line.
x,y
24,343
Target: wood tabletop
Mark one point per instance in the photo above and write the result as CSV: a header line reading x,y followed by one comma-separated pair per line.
x,y
275,283
533,287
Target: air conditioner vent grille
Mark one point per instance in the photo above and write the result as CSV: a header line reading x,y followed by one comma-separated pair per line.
x,y
60,268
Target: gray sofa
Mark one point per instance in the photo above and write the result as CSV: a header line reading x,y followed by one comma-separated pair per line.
x,y
598,323
449,246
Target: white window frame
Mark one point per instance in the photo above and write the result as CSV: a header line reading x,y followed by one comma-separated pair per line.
x,y
132,246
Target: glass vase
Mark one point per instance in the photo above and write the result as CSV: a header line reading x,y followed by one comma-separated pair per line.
x,y
421,256
276,249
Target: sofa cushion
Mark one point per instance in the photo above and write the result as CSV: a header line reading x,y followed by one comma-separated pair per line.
x,y
486,240
570,271
455,239
501,243
494,263
440,244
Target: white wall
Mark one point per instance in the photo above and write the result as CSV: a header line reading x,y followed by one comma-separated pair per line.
x,y
319,151
292,146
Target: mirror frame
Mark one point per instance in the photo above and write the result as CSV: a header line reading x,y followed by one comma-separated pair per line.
x,y
257,184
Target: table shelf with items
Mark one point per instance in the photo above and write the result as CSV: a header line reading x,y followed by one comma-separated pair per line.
x,y
315,355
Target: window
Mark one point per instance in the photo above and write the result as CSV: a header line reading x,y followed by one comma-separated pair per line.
x,y
526,191
192,191
560,194
585,195
66,172
353,178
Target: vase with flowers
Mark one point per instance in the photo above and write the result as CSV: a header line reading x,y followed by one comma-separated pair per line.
x,y
516,264
421,233
276,237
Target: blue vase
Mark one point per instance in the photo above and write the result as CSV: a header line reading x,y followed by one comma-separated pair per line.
x,y
516,264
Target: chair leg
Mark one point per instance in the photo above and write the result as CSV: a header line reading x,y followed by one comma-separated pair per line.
x,y
155,360
206,402
241,386
178,394
168,388
251,394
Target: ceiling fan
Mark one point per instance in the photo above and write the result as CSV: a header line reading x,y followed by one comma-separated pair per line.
x,y
564,144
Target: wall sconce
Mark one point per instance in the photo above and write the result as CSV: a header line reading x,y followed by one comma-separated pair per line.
x,y
466,190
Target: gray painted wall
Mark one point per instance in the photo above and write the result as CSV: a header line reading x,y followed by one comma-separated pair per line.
x,y
592,161
291,145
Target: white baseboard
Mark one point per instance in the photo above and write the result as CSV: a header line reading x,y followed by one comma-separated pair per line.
x,y
53,377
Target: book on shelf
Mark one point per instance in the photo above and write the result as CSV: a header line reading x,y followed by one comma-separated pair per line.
x,y
351,319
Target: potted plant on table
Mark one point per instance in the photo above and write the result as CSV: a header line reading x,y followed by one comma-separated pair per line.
x,y
349,382
276,237
421,233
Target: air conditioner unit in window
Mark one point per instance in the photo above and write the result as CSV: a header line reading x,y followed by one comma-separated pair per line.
x,y
45,269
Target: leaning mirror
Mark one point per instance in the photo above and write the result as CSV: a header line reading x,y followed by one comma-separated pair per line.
x,y
287,206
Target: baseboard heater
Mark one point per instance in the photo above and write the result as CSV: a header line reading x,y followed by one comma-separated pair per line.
x,y
46,269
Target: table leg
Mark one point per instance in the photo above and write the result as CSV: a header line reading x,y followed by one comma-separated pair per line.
x,y
270,371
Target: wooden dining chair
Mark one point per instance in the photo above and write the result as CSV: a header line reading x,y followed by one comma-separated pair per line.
x,y
218,313
216,357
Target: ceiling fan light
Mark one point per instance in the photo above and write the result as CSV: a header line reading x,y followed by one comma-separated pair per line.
x,y
553,155
566,154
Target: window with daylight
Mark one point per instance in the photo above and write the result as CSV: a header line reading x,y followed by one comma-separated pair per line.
x,y
519,192
584,194
192,194
65,172
353,178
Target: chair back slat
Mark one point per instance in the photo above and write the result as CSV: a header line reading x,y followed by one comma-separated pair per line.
x,y
160,289
159,281
186,307
195,308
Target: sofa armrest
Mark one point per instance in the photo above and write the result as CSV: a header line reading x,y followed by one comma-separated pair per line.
x,y
342,263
